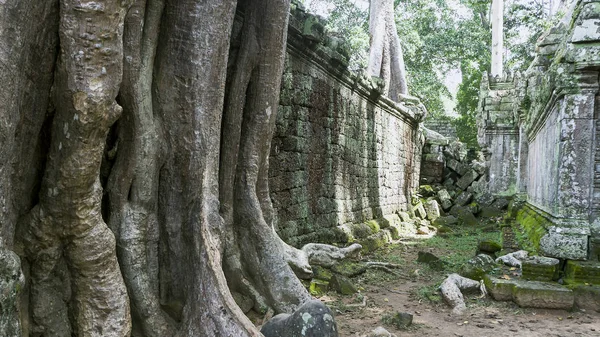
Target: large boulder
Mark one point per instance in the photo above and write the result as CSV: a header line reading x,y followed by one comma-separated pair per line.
x,y
313,319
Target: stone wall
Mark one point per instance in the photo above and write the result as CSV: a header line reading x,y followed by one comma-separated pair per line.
x,y
341,152
442,126
553,140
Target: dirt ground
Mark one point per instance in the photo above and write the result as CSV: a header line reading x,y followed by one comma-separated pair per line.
x,y
415,292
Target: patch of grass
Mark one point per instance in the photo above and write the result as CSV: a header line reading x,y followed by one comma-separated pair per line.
x,y
430,293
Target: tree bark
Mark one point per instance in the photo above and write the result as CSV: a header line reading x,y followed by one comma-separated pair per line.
x,y
67,221
255,256
190,79
133,183
386,59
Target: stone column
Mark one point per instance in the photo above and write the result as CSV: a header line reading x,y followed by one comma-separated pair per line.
x,y
497,37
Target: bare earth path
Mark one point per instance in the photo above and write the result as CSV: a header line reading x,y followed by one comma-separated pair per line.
x,y
415,293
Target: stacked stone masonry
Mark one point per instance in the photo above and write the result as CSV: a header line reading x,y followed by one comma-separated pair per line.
x,y
541,134
341,152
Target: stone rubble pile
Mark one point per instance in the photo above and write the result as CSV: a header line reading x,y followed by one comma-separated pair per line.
x,y
453,184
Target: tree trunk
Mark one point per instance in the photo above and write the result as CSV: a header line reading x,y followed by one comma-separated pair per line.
x,y
386,59
133,183
67,221
160,171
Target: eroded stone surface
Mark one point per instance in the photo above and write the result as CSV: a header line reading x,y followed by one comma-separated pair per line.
x,y
313,319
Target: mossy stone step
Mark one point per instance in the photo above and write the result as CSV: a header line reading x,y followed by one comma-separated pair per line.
x,y
582,272
530,294
540,268
545,295
587,296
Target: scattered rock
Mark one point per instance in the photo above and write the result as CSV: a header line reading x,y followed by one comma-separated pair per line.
x,y
313,319
11,284
380,332
490,212
452,289
342,285
445,199
432,209
477,267
463,198
430,259
402,320
445,221
489,247
513,259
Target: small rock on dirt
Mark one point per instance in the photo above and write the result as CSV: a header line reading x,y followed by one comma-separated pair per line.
x,y
313,319
342,285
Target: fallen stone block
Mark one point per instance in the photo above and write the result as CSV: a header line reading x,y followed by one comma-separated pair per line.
x,y
489,247
463,198
318,287
540,268
430,259
313,319
342,285
402,320
445,221
489,212
467,179
467,218
375,241
543,295
500,203
420,211
432,209
445,200
513,259
477,267
500,289
426,191
452,288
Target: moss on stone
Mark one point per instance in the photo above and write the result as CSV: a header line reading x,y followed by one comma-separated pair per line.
x,y
374,225
533,227
318,287
582,272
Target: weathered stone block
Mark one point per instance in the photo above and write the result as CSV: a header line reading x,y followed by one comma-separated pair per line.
x,y
543,295
445,200
561,243
540,268
463,198
489,247
582,272
419,210
312,319
500,289
445,221
342,285
587,297
489,212
477,267
432,209
467,179
467,218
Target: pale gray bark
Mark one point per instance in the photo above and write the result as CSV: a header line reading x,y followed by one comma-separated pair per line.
x,y
255,261
386,59
67,221
133,183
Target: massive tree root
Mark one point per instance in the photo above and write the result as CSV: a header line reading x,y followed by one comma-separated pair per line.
x,y
67,221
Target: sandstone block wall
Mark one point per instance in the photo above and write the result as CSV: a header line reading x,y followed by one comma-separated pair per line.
x,y
554,113
341,153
